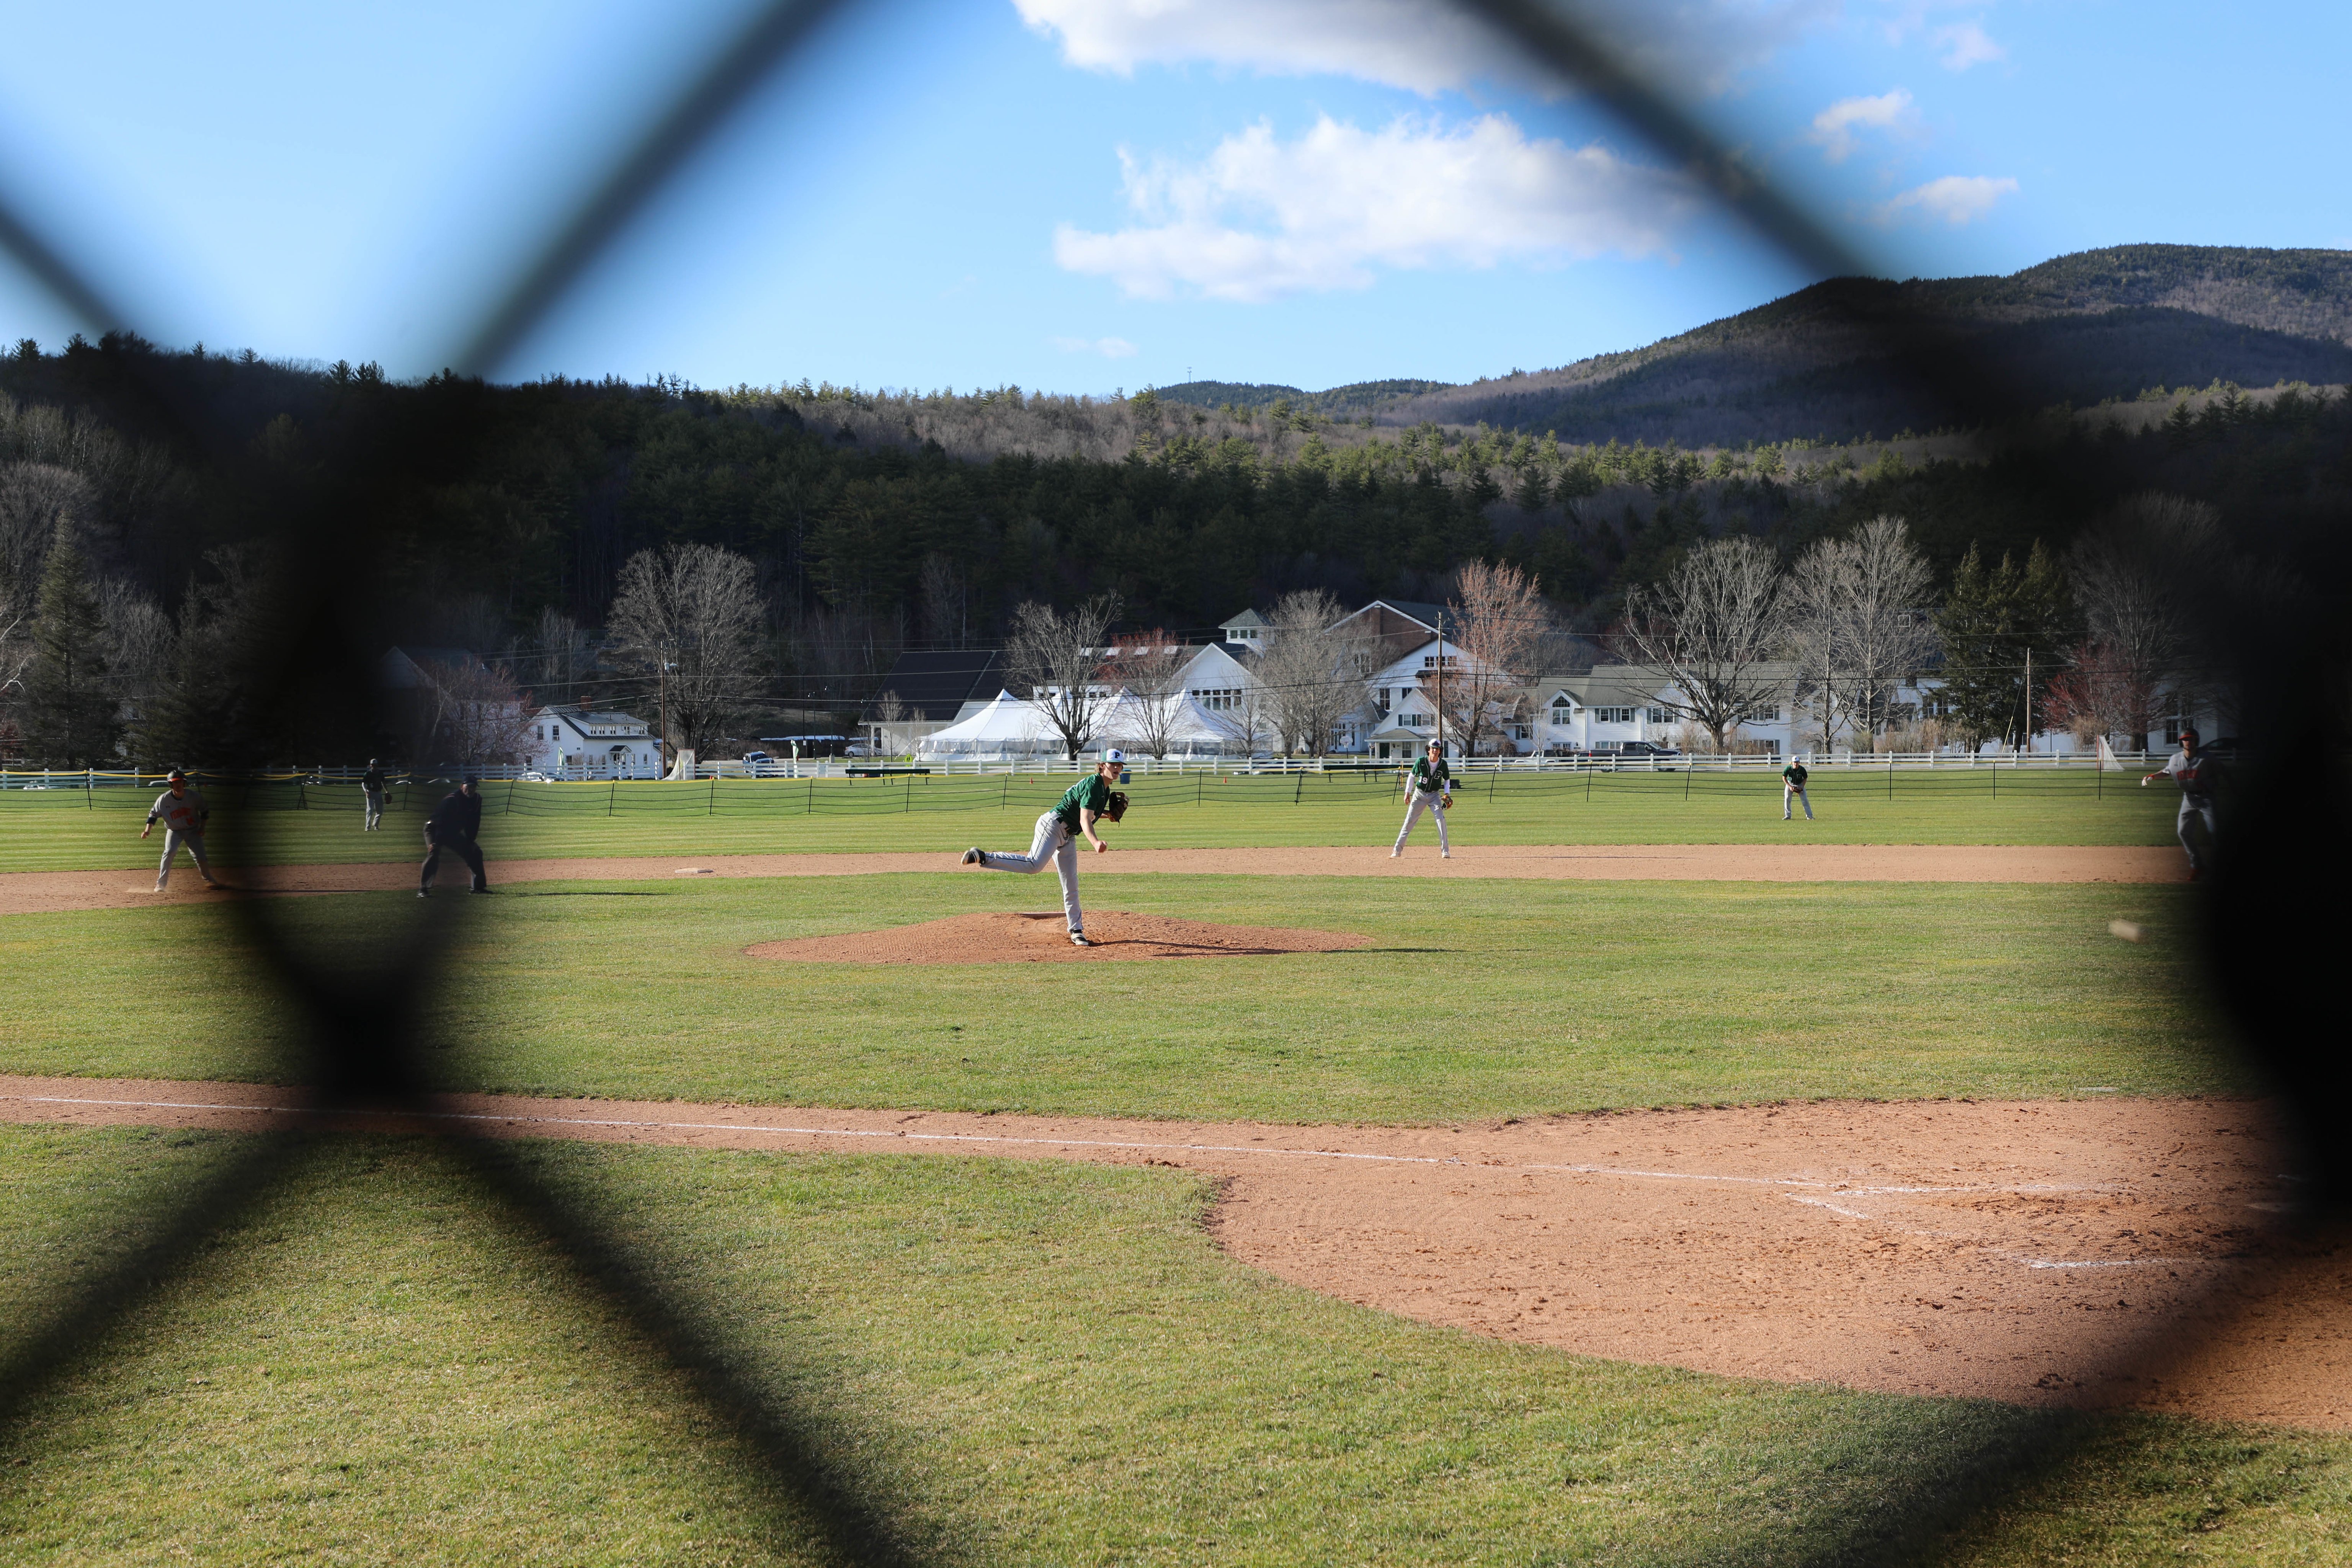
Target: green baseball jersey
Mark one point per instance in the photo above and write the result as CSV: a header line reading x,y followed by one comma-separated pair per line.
x,y
1091,793
1423,778
1794,775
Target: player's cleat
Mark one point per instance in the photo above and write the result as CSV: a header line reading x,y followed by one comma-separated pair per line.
x,y
1394,853
481,889
1446,854
423,892
159,887
1078,939
973,857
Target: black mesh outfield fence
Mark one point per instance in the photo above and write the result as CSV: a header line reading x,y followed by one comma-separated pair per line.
x,y
913,790
368,1032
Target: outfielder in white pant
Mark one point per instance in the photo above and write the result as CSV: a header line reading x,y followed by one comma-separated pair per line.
x,y
1083,804
1429,787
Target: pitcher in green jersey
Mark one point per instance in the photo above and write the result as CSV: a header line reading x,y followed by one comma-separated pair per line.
x,y
1084,803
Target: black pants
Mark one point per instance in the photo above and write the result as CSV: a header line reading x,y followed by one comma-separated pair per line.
x,y
465,849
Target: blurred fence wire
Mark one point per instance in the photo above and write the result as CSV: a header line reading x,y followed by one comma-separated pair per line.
x,y
368,1033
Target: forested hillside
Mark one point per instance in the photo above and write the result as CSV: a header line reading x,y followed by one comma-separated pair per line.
x,y
500,518
1819,363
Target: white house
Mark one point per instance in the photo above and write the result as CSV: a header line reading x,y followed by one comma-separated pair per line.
x,y
578,742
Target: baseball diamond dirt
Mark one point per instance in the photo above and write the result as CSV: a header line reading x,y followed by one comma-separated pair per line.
x,y
2124,1253
27,892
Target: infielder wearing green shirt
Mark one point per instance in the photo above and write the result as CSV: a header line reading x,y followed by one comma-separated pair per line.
x,y
1793,790
1082,806
1429,789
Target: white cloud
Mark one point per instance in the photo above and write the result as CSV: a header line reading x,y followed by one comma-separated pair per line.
x,y
1260,218
1424,45
1833,127
1109,348
1956,198
1966,45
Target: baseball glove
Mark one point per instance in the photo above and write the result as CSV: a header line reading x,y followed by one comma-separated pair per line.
x,y
1446,801
1118,805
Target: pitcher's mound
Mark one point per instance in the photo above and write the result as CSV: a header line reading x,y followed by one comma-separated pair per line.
x,y
1044,939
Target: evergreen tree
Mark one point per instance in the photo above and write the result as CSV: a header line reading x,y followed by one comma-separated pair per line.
x,y
1996,623
70,706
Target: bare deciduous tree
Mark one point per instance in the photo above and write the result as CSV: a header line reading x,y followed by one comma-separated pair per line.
x,y
2096,695
1498,621
1150,666
480,717
1858,614
557,659
36,499
687,618
2135,573
1248,723
945,602
1314,674
1709,629
1058,658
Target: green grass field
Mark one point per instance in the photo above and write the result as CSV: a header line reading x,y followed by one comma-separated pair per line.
x,y
59,830
1034,1363
1476,999
1015,1364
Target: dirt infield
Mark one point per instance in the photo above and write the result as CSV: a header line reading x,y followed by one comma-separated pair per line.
x,y
2086,1253
1045,939
34,892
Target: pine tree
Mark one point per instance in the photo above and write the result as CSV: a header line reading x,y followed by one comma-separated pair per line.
x,y
70,708
1991,620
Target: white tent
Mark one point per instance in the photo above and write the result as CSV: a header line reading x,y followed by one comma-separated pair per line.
x,y
1192,729
1008,724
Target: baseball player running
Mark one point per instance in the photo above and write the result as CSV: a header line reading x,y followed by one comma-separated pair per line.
x,y
453,825
371,787
182,811
1429,789
2194,774
1082,806
1793,790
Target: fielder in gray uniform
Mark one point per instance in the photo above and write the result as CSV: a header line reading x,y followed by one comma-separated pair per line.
x,y
2195,776
1429,789
182,811
1082,806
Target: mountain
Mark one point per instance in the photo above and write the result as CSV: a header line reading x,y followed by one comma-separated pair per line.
x,y
1825,361
2080,329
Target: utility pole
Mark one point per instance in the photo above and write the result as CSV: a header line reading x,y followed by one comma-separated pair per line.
x,y
662,709
2027,744
1441,685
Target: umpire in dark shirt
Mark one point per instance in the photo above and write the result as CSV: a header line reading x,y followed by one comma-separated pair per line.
x,y
453,825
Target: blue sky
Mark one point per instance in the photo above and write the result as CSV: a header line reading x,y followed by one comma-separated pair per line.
x,y
1079,194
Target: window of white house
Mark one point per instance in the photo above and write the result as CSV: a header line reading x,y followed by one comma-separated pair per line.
x,y
1563,714
1382,698
1219,699
1613,715
1657,715
1413,720
2173,726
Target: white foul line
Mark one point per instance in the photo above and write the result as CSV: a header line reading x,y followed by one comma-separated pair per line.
x,y
515,1115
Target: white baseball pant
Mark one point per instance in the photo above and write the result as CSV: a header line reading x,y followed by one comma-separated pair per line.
x,y
1424,800
375,809
173,841
1054,846
1791,796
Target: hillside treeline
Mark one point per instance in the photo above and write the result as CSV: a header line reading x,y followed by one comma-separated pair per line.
x,y
500,519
